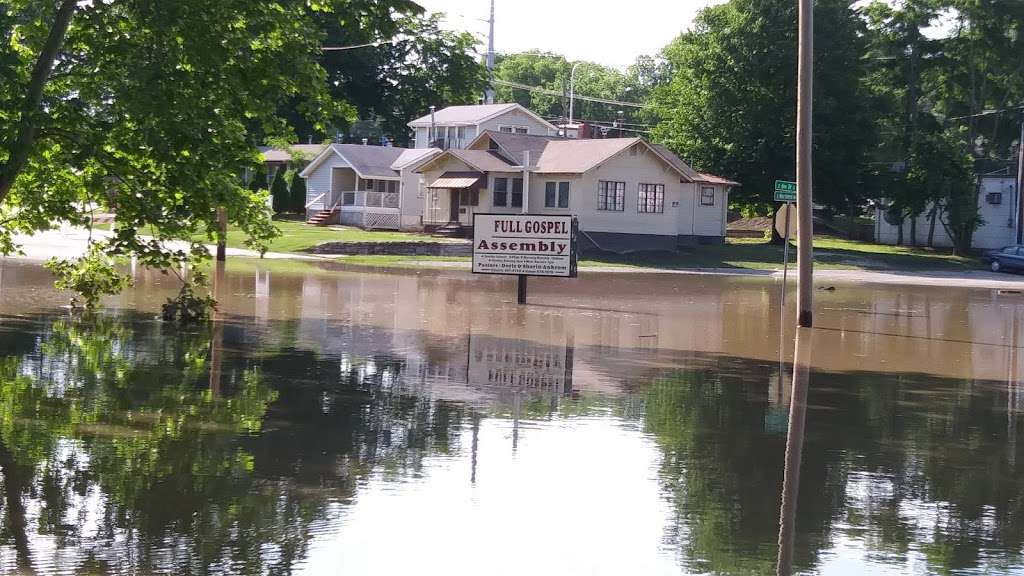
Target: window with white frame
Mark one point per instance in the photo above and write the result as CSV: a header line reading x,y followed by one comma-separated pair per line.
x,y
517,192
651,199
514,129
502,198
611,196
707,196
556,194
368,184
501,192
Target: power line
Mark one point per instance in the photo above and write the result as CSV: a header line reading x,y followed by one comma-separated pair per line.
x,y
353,47
560,95
988,113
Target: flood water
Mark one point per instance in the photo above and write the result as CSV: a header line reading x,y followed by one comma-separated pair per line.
x,y
342,422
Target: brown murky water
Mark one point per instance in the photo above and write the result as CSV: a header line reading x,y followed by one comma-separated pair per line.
x,y
334,421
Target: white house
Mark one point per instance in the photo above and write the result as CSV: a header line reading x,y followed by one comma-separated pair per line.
x,y
372,187
627,194
997,204
458,126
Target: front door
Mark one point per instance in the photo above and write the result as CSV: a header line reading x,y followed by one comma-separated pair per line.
x,y
453,212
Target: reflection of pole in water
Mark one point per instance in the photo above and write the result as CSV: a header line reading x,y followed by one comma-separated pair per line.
x,y
516,406
1012,393
217,329
794,449
570,351
473,450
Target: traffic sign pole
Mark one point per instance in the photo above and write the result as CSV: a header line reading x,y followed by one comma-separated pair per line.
x,y
785,258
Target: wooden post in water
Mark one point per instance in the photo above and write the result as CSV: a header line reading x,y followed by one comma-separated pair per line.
x,y
222,234
805,232
521,288
217,330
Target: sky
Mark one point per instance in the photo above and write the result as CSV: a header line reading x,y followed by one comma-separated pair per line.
x,y
609,33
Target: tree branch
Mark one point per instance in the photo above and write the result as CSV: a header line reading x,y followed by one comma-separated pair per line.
x,y
18,155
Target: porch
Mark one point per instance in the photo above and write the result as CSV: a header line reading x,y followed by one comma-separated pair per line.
x,y
451,201
369,203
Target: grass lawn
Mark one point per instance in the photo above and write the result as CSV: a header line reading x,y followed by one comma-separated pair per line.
x,y
829,253
297,236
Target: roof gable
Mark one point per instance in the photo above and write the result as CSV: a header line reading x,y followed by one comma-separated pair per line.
x,y
413,157
676,162
515,145
474,115
368,161
480,160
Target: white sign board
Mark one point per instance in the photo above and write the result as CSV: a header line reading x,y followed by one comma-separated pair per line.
x,y
524,244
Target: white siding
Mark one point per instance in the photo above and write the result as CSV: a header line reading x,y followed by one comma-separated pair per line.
x,y
709,220
489,206
319,181
643,167
421,138
516,118
412,191
996,231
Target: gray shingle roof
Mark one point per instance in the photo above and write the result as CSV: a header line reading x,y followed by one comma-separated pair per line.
x,y
465,115
371,161
271,154
516,144
676,161
482,160
579,156
412,156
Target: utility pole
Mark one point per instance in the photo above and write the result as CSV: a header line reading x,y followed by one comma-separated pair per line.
x,y
1020,181
489,93
572,90
805,221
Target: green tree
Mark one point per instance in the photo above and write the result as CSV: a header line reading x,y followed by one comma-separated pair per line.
x,y
967,78
297,202
151,109
393,82
730,105
279,192
552,72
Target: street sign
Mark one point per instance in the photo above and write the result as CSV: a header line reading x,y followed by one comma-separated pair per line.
x,y
524,245
785,191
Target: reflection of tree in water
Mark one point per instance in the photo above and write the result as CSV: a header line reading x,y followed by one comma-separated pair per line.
x,y
109,430
900,464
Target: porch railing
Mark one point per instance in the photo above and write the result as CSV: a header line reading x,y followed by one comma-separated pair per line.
x,y
316,201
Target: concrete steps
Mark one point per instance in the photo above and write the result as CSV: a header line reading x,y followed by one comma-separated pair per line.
x,y
321,218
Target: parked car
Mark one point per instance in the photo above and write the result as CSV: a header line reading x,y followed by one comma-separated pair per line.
x,y
1005,259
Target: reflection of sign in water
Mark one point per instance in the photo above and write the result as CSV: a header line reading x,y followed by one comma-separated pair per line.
x,y
517,364
524,244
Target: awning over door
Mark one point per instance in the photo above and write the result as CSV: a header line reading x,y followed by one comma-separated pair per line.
x,y
457,180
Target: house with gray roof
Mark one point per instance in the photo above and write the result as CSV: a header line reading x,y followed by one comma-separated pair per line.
x,y
458,126
372,187
626,193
